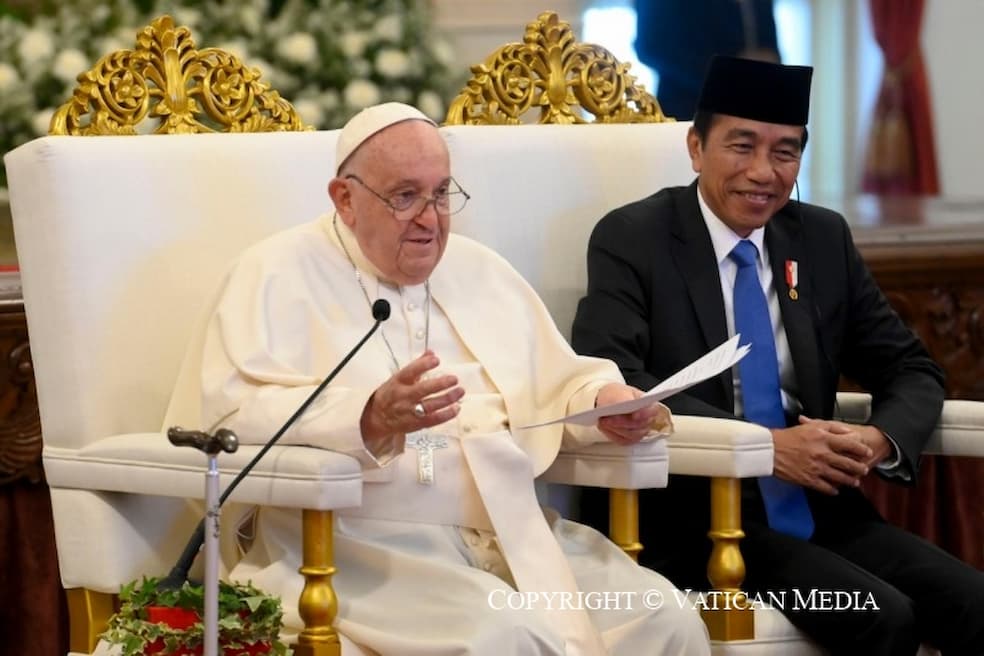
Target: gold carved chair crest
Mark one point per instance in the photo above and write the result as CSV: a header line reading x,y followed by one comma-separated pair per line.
x,y
186,90
552,72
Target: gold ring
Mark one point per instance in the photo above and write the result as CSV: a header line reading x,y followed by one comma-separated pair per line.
x,y
419,410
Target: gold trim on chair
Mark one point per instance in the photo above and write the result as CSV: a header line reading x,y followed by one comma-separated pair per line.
x,y
551,71
318,604
731,616
88,617
623,521
186,90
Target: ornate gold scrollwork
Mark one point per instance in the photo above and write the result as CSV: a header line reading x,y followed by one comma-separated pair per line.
x,y
550,70
166,78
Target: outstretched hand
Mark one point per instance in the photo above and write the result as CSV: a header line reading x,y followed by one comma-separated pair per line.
x,y
391,408
628,428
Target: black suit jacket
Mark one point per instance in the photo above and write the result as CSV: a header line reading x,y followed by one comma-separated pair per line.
x,y
654,304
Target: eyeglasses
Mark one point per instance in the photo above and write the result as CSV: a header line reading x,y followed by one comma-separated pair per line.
x,y
408,205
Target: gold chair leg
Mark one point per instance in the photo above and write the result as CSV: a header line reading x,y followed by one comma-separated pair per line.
x,y
318,604
88,616
623,523
727,614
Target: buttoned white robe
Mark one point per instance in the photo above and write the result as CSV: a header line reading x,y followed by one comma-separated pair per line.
x,y
419,571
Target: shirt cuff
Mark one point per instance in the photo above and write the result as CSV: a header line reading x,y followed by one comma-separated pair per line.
x,y
582,400
385,451
891,465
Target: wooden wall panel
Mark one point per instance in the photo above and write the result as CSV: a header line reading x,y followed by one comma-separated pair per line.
x,y
928,257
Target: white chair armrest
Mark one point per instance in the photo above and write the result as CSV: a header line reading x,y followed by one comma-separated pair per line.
x,y
705,446
147,464
609,465
960,431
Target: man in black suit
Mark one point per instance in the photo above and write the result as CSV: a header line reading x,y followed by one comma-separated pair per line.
x,y
673,275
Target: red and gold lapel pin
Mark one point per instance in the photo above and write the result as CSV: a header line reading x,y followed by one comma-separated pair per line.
x,y
792,278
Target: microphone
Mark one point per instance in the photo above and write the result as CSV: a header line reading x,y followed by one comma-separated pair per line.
x,y
179,573
380,311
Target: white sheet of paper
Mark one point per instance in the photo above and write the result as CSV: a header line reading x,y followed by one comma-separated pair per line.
x,y
710,364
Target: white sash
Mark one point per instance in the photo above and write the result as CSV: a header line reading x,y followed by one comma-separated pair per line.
x,y
503,474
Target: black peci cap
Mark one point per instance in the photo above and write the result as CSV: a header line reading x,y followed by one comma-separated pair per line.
x,y
757,90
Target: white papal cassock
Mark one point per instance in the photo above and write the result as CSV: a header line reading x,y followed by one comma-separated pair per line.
x,y
425,567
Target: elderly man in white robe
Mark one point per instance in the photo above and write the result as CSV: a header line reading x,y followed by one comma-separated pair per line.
x,y
449,523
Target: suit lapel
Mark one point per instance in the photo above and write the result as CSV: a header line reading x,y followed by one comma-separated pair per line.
x,y
694,257
784,238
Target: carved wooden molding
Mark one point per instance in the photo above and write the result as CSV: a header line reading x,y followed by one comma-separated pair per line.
x,y
950,321
20,422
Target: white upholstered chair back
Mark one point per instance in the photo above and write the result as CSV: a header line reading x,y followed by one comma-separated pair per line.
x,y
538,190
134,233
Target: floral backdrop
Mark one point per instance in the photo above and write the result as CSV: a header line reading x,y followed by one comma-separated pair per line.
x,y
329,57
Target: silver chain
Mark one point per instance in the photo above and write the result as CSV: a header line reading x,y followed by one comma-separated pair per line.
x,y
365,292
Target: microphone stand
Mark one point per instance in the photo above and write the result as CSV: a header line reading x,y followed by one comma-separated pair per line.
x,y
225,440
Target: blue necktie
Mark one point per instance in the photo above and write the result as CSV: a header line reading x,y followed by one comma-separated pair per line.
x,y
785,503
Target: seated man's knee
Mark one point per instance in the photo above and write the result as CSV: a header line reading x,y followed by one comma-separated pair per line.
x,y
893,623
952,621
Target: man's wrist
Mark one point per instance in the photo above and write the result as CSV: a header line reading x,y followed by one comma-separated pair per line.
x,y
371,431
885,453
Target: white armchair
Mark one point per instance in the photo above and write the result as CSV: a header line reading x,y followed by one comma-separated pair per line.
x,y
121,242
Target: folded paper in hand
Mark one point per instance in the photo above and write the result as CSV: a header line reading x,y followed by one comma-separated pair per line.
x,y
710,364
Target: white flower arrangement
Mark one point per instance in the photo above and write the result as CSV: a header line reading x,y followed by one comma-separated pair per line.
x,y
40,59
330,58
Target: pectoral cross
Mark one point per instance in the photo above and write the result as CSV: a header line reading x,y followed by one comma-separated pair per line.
x,y
425,444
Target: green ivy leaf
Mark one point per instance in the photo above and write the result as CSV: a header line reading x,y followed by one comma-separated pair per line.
x,y
254,602
246,616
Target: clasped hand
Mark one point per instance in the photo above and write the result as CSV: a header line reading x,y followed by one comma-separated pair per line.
x,y
826,454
